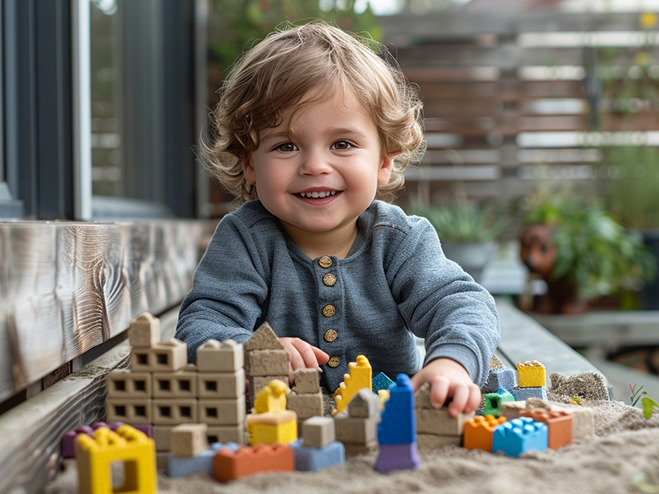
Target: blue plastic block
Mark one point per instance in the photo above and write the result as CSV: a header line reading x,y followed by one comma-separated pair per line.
x,y
398,420
308,459
522,394
493,402
499,378
381,381
397,457
182,466
520,435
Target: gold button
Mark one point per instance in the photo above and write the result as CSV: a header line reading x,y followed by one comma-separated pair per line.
x,y
334,362
329,279
330,335
329,310
325,262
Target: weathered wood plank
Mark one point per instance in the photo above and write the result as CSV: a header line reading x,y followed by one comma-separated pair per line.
x,y
607,329
67,287
31,432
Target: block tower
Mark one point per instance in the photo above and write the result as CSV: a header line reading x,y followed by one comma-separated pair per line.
x,y
434,426
305,399
162,389
357,426
397,429
270,422
265,360
531,381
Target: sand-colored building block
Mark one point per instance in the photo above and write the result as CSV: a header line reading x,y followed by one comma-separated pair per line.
x,y
231,465
166,356
225,411
129,410
221,384
188,439
95,456
257,383
422,396
356,430
559,425
583,421
478,432
271,428
318,432
181,384
531,374
364,404
122,383
437,421
518,436
512,409
435,441
162,435
264,338
272,398
305,405
173,412
267,362
307,381
359,376
227,433
214,356
144,331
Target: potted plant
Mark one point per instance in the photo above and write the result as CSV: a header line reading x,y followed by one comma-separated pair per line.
x,y
467,232
582,253
630,189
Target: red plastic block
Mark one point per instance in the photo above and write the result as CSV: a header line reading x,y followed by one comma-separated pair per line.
x,y
229,465
559,424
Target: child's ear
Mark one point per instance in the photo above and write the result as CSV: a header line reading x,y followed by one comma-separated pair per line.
x,y
386,167
248,170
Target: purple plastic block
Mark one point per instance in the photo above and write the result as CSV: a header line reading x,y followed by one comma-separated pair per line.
x,y
146,428
398,420
96,425
68,440
397,457
309,459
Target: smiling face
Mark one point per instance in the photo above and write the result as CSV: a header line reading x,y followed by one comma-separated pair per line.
x,y
319,169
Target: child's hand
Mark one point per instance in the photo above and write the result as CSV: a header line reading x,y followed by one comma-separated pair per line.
x,y
303,355
448,379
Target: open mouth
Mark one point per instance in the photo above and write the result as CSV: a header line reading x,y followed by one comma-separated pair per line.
x,y
317,195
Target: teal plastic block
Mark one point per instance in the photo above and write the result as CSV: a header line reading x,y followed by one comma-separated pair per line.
x,y
520,435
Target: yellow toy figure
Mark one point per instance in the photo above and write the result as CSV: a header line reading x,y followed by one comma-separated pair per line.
x,y
360,376
270,422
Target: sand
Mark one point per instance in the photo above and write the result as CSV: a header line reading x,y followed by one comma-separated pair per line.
x,y
623,456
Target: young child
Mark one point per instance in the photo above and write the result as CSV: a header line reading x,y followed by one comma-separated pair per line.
x,y
312,126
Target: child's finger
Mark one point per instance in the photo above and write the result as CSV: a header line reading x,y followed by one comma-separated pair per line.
x,y
439,390
459,401
321,357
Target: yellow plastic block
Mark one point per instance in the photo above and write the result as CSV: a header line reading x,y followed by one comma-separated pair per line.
x,y
360,376
95,456
272,398
531,374
272,428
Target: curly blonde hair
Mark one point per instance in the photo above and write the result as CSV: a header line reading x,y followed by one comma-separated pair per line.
x,y
280,70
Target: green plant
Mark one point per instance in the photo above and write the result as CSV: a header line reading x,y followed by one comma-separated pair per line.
x,y
460,222
637,394
592,250
648,407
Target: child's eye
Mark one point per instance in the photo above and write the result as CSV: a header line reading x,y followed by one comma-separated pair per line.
x,y
287,147
341,145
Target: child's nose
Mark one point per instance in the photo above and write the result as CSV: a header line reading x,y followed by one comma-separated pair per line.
x,y
315,163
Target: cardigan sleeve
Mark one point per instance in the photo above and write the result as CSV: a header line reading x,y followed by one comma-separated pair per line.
x,y
441,303
229,289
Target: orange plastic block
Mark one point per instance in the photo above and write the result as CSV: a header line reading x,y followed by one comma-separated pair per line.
x,y
559,425
229,465
479,430
360,376
127,445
